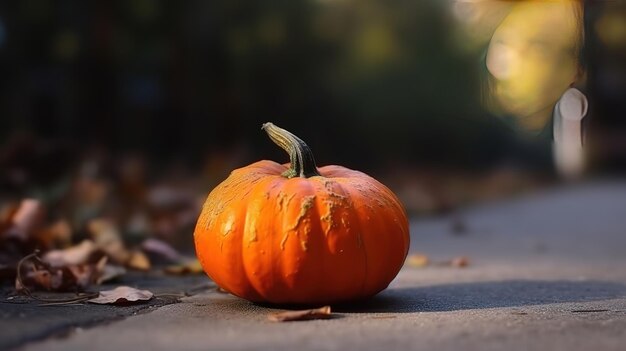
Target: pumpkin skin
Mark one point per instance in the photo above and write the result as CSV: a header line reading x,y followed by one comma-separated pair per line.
x,y
337,236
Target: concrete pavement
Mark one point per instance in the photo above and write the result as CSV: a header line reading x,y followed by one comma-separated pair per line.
x,y
547,272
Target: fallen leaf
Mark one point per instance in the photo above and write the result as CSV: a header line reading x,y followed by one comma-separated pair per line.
x,y
417,260
108,238
303,315
35,274
81,275
189,267
7,210
160,249
459,262
57,234
77,254
139,261
122,295
41,279
25,220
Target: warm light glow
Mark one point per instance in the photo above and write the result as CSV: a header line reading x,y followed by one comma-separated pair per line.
x,y
532,59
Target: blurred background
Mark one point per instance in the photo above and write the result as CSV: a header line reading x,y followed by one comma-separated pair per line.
x,y
129,112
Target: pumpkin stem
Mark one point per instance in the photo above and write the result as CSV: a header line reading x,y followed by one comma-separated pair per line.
x,y
300,155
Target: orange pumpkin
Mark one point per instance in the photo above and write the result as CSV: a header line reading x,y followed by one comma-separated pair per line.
x,y
301,235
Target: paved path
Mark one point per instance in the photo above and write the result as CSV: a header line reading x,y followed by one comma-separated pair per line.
x,y
547,272
23,320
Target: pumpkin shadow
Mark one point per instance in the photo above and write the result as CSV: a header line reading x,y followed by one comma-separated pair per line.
x,y
481,295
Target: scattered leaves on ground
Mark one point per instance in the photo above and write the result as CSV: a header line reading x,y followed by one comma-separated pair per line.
x,y
303,315
77,254
122,295
139,261
417,260
190,267
160,250
98,205
107,238
35,274
460,262
24,220
421,261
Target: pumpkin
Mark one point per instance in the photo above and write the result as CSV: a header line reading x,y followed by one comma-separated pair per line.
x,y
298,234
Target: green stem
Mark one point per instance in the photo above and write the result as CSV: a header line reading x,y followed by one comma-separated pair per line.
x,y
301,157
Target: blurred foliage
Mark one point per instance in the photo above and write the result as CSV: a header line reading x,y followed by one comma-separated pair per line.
x,y
367,83
362,81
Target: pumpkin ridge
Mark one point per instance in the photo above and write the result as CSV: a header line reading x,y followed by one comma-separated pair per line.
x,y
249,225
241,212
216,204
295,266
357,221
386,226
342,209
393,204
258,269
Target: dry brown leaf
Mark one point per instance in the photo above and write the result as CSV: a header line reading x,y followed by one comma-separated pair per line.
x,y
303,315
107,238
417,260
7,210
25,220
122,295
77,254
35,274
460,262
189,267
57,234
161,250
81,275
139,261
41,279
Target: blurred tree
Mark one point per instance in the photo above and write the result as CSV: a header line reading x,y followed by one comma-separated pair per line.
x,y
365,82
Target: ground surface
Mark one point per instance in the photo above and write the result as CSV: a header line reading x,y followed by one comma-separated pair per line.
x,y
547,272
